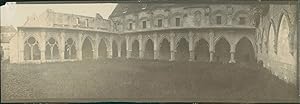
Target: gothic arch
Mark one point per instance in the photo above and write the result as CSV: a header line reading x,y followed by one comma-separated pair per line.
x,y
87,48
135,48
178,37
244,51
149,49
182,49
70,49
285,21
164,49
271,38
222,50
52,49
31,49
102,48
284,41
201,50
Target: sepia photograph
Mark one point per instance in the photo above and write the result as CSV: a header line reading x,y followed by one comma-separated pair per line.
x,y
219,51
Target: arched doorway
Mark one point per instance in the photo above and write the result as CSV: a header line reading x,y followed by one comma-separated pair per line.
x,y
87,49
102,49
135,49
51,51
70,49
182,50
164,50
244,52
123,49
114,49
202,50
149,49
222,51
31,49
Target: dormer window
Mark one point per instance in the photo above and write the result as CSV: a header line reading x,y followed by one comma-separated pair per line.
x,y
219,20
77,21
242,20
87,22
159,23
130,26
177,21
144,24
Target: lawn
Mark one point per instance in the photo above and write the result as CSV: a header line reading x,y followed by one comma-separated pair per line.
x,y
133,80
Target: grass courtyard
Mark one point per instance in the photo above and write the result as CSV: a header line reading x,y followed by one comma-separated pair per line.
x,y
118,80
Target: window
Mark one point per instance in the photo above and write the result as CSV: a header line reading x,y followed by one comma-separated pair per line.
x,y
177,21
130,26
87,22
242,21
144,24
219,19
77,21
159,23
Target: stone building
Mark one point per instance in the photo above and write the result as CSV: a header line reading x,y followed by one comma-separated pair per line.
x,y
226,33
7,32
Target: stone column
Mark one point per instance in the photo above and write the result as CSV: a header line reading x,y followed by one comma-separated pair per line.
x,y
211,56
79,46
141,46
172,47
191,46
109,48
43,46
62,45
211,46
232,52
156,47
119,48
128,47
95,49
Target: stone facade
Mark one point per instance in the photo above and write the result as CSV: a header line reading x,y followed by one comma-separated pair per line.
x,y
227,33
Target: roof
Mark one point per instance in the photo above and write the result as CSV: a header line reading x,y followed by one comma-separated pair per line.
x,y
7,32
128,8
7,29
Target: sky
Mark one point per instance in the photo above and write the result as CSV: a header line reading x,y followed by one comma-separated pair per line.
x,y
16,14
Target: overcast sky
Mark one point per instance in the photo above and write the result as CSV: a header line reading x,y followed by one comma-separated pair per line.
x,y
16,14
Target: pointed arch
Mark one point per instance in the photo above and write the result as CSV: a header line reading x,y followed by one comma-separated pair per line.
x,y
87,48
135,49
149,49
222,50
182,50
284,41
31,49
102,48
70,49
52,51
244,51
164,49
271,39
202,50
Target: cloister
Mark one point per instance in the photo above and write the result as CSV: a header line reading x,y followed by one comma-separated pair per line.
x,y
209,33
220,45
